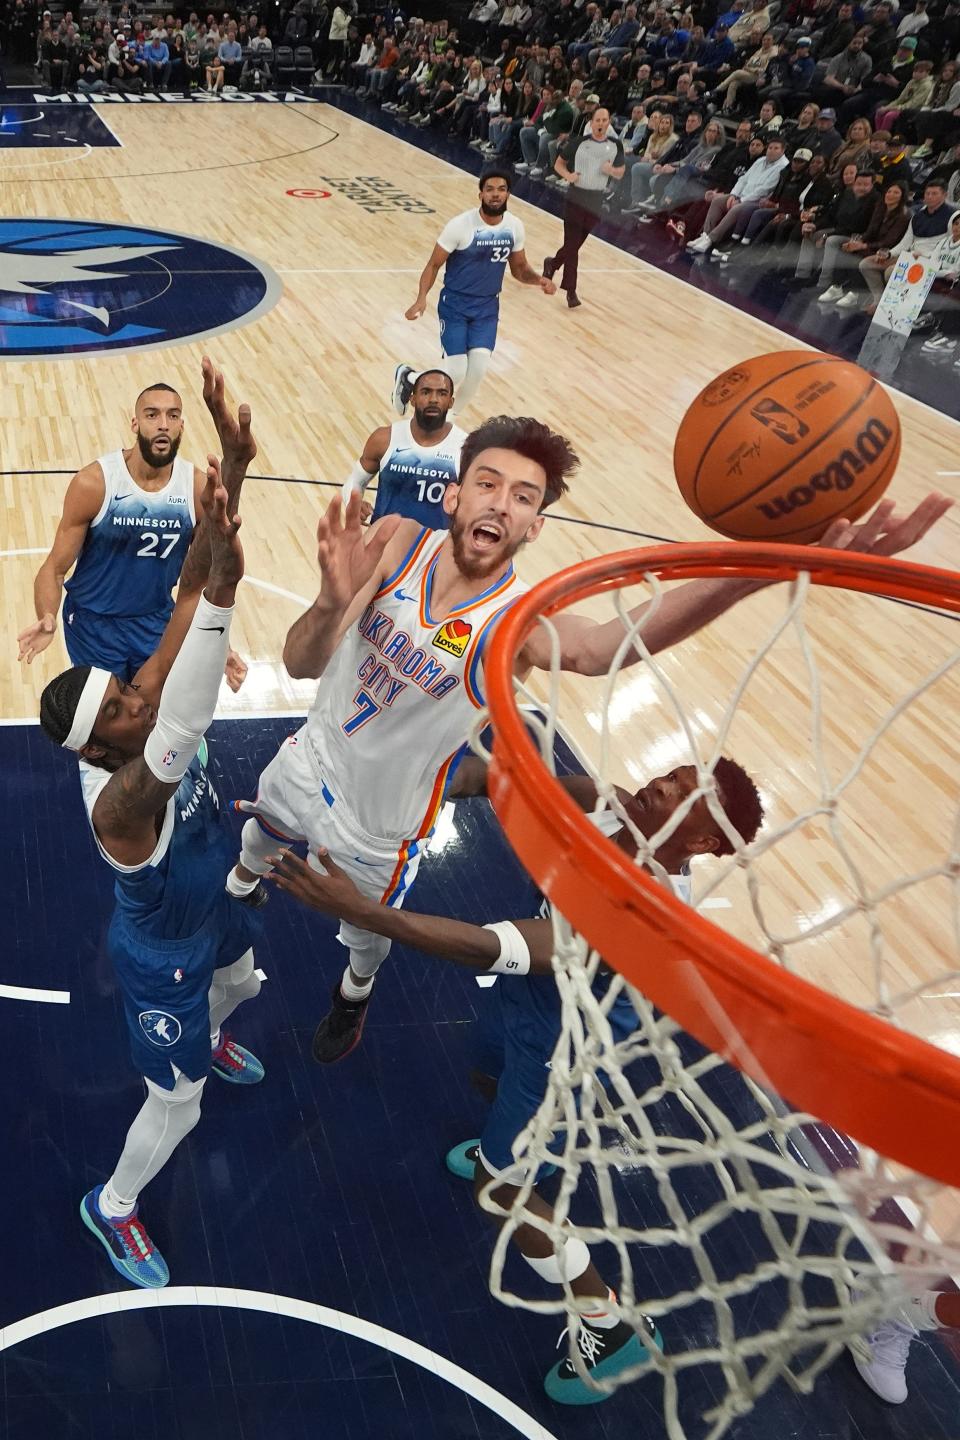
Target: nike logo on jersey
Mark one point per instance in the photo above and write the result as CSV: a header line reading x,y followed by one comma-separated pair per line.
x,y
400,595
218,628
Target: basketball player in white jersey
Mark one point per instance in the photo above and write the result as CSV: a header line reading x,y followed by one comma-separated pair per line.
x,y
398,633
127,521
474,250
522,1022
416,459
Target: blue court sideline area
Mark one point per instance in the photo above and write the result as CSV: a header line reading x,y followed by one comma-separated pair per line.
x,y
44,125
324,1186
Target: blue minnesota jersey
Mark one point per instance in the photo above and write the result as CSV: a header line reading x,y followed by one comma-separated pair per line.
x,y
180,888
413,478
136,545
478,254
531,1006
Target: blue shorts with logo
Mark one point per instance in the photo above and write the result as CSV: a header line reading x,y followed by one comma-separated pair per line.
x,y
118,643
518,1031
165,983
467,322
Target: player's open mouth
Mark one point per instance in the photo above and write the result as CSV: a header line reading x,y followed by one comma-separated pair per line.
x,y
486,536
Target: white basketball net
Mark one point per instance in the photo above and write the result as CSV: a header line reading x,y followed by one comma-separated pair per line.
x,y
706,1198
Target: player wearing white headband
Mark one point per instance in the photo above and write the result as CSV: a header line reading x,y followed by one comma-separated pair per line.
x,y
180,947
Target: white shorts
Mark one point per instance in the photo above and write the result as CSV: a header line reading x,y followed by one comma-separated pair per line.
x,y
294,803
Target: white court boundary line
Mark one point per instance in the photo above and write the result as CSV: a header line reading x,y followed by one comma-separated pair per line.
x,y
26,992
101,1306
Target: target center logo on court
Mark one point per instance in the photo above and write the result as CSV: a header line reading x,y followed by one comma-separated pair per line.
x,y
71,287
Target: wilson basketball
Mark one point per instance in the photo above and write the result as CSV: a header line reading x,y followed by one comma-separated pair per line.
x,y
779,447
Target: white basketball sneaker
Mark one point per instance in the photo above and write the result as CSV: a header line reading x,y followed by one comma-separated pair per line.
x,y
889,1346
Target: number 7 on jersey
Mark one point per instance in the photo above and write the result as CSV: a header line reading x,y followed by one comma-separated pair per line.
x,y
367,707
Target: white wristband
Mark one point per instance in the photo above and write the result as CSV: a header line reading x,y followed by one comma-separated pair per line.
x,y
514,958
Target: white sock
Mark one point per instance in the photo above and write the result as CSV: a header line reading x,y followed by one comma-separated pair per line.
x,y
604,1317
238,887
351,991
111,1205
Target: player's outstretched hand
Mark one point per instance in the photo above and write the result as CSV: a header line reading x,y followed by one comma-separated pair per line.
x,y
349,554
328,890
416,310
226,552
35,639
235,434
886,531
235,670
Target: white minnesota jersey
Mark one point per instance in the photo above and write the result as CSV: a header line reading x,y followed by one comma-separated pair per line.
x,y
414,478
396,702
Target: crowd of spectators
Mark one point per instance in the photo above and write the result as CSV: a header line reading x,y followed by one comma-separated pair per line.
x,y
819,138
815,138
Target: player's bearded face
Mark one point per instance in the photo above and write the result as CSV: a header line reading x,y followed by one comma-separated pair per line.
x,y
493,202
158,450
475,550
431,417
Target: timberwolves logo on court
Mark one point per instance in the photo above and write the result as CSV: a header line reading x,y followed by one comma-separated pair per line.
x,y
70,287
159,1027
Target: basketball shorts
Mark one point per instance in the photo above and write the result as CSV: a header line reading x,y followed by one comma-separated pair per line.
x,y
517,1035
164,984
467,323
297,801
118,643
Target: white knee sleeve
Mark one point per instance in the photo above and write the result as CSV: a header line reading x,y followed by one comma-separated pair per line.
x,y
255,846
367,952
456,368
477,362
570,1261
230,987
166,1118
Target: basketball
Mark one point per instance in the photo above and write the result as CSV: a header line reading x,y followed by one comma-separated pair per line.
x,y
782,445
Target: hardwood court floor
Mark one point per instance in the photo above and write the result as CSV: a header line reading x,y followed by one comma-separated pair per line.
x,y
615,375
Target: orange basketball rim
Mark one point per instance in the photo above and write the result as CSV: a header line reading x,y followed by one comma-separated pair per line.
x,y
884,1087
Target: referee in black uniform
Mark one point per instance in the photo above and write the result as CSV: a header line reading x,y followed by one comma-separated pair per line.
x,y
587,162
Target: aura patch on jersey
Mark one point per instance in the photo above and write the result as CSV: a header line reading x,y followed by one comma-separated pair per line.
x,y
69,287
454,637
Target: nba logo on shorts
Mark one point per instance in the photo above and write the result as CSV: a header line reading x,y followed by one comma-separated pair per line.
x,y
160,1028
454,637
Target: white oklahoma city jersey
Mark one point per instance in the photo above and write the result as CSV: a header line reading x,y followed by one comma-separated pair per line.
x,y
396,703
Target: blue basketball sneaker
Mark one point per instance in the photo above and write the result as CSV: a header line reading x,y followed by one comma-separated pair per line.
x,y
462,1161
132,1253
604,1353
235,1063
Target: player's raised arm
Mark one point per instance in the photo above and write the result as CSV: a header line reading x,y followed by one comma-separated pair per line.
x,y
428,279
369,463
588,648
507,948
126,811
81,505
239,451
353,562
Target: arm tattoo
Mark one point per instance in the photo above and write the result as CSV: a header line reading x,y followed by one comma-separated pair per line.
x,y
130,801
